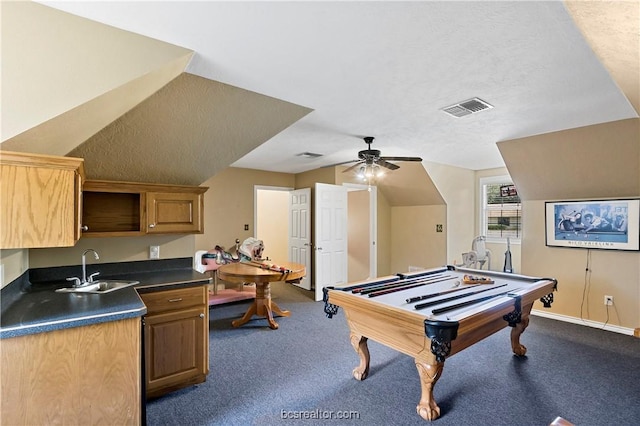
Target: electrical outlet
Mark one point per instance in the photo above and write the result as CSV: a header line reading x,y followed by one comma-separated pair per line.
x,y
154,252
608,300
439,227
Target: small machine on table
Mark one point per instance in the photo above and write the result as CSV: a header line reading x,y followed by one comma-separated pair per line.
x,y
211,260
433,314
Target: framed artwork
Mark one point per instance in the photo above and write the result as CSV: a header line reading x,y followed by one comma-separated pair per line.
x,y
593,224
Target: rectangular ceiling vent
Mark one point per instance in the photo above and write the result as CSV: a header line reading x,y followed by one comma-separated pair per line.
x,y
308,155
468,107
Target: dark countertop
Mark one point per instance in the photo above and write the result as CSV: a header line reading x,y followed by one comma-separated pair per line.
x,y
30,304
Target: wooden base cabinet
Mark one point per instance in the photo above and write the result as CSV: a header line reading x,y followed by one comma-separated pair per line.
x,y
176,334
75,376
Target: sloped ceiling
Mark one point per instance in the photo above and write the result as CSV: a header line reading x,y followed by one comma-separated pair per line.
x,y
599,161
386,69
366,68
185,133
410,185
64,77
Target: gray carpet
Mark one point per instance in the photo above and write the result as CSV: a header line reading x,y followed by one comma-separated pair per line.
x,y
261,376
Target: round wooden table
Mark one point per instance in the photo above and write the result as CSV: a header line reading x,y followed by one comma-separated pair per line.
x,y
243,272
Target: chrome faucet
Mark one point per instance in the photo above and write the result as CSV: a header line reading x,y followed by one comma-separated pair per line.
x,y
84,266
85,281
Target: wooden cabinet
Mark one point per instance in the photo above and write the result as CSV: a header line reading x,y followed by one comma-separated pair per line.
x,y
81,375
114,209
176,335
41,200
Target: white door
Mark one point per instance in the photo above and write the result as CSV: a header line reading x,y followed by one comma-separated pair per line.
x,y
300,232
330,235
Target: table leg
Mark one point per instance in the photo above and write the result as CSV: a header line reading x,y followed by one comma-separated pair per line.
x,y
518,348
262,306
429,374
359,343
246,317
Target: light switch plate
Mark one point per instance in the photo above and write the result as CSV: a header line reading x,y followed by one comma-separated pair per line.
x,y
154,252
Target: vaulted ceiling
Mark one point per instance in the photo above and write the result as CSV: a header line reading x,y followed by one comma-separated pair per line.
x,y
261,82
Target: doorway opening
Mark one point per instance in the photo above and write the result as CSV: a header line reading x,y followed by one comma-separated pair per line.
x,y
271,210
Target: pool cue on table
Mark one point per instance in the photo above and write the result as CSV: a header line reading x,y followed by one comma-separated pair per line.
x,y
360,286
407,287
260,265
441,293
510,293
400,282
467,303
448,299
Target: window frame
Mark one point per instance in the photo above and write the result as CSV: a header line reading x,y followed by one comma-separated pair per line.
x,y
482,216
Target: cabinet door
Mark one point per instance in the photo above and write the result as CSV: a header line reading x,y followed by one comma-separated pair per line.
x,y
176,348
39,206
174,213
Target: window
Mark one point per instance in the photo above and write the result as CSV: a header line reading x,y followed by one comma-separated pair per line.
x,y
500,210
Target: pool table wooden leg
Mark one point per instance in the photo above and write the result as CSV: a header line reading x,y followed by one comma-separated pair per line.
x,y
517,347
519,322
359,343
429,374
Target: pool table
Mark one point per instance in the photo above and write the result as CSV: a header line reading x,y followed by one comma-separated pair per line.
x,y
431,315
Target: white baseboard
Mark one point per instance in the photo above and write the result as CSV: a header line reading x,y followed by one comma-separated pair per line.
x,y
580,321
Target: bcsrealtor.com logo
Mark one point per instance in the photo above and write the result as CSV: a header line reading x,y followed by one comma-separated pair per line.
x,y
319,415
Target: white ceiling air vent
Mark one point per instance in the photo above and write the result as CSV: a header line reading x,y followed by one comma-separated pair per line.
x,y
308,155
467,107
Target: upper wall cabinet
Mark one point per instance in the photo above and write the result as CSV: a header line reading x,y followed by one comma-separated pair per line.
x,y
113,209
40,200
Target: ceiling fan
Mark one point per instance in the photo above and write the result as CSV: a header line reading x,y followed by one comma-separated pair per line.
x,y
370,160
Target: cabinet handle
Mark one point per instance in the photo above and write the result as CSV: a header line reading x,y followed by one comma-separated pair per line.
x,y
201,315
177,299
152,225
84,228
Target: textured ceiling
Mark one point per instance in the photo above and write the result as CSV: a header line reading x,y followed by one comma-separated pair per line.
x,y
386,69
185,133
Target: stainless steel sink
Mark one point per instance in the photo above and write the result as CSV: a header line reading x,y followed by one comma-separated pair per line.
x,y
99,287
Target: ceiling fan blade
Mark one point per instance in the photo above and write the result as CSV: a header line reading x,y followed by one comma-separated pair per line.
x,y
386,164
353,167
401,158
338,164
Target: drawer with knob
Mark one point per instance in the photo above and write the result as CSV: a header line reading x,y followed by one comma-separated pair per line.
x,y
168,300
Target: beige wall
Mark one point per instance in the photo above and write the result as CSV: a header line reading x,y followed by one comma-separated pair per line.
x,y
14,263
414,239
228,205
383,244
114,249
609,166
272,223
358,235
580,294
457,187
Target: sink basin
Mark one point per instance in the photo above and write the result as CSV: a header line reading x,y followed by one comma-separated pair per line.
x,y
99,287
